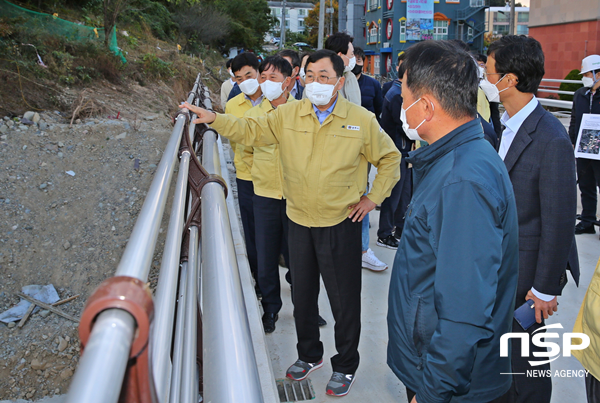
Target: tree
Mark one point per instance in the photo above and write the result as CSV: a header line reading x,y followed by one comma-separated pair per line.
x,y
250,21
112,9
201,22
312,22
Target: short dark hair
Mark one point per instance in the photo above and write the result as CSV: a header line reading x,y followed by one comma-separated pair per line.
x,y
460,44
446,72
292,54
228,63
521,56
279,63
401,66
481,57
244,59
401,57
338,63
359,52
338,42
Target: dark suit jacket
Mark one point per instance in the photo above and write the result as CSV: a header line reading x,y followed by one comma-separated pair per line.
x,y
541,165
300,90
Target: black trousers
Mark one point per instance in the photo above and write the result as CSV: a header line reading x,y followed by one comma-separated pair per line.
x,y
592,389
245,196
588,177
271,238
394,207
526,389
502,399
334,253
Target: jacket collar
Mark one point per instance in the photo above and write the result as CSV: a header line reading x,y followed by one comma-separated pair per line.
x,y
425,156
340,110
523,137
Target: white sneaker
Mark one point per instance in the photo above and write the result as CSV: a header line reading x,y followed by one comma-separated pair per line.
x,y
370,261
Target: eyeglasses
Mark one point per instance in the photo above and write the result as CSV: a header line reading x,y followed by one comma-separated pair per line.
x,y
322,79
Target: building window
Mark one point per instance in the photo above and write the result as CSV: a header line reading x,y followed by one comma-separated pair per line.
x,y
287,24
477,3
301,12
523,17
522,30
440,30
500,29
372,34
501,17
377,64
301,24
403,30
276,11
374,4
470,34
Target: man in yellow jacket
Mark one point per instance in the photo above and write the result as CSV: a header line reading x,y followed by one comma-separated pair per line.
x,y
245,71
271,223
588,322
325,143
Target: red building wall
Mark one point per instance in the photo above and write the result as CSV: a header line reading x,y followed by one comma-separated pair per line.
x,y
564,45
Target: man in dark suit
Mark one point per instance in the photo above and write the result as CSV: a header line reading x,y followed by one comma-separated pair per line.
x,y
539,158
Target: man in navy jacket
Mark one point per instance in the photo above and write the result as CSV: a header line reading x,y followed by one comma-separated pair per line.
x,y
370,89
454,277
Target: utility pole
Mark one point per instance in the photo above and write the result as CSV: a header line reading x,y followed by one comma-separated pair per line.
x,y
321,24
282,36
331,17
512,18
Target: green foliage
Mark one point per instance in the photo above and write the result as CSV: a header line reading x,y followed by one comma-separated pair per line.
x,y
152,13
251,20
293,37
573,75
157,68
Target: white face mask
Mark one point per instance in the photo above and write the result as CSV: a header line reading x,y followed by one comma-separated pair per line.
x,y
412,134
271,89
351,64
319,94
249,86
588,82
481,71
491,90
302,73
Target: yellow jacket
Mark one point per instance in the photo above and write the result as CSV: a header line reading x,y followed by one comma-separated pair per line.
x,y
238,106
483,106
324,166
266,171
588,322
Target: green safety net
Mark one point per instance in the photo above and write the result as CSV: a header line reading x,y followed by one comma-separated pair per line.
x,y
59,27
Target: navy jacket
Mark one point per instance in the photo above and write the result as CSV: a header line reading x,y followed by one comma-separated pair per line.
x,y
298,95
235,91
370,95
581,105
541,165
386,87
452,288
390,118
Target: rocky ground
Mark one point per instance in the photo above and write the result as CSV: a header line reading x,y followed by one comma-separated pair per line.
x,y
69,197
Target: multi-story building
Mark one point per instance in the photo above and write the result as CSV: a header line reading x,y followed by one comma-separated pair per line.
x,y
392,26
568,30
295,13
497,20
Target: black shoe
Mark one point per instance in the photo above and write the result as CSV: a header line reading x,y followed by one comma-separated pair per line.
x,y
584,228
322,322
268,320
388,242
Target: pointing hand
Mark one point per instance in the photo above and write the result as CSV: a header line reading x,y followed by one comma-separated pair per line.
x,y
204,116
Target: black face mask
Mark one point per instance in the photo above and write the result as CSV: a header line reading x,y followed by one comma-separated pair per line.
x,y
357,69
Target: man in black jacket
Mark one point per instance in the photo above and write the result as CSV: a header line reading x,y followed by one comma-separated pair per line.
x,y
539,158
587,100
393,208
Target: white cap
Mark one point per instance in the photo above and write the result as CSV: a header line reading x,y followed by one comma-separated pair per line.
x,y
590,63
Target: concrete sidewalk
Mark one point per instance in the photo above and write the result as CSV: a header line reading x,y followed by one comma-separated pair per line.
x,y
375,382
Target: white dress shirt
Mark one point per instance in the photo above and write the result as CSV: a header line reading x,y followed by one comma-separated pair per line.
x,y
513,124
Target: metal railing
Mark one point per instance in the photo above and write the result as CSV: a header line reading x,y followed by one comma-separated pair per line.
x,y
547,87
164,365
